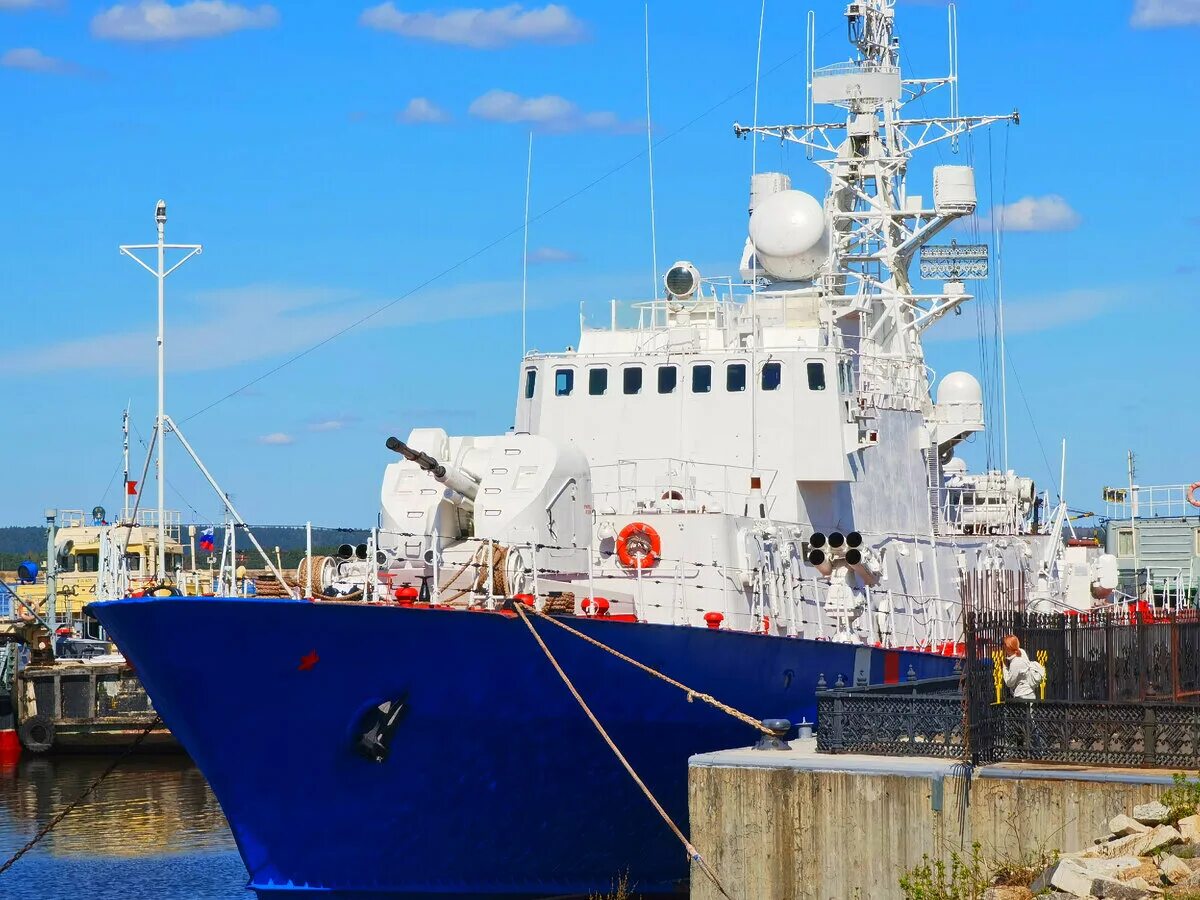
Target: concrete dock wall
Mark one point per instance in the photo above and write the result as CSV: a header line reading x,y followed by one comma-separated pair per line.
x,y
798,826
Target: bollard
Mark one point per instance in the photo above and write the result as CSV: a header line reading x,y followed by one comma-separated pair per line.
x,y
777,739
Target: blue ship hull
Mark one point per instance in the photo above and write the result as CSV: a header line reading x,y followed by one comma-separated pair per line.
x,y
495,783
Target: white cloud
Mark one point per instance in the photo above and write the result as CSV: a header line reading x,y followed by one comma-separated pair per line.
x,y
551,255
32,60
549,112
332,424
1048,213
1028,315
421,110
1165,13
480,28
17,5
157,20
277,439
282,321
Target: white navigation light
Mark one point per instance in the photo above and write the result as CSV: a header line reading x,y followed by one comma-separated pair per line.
x,y
682,280
790,235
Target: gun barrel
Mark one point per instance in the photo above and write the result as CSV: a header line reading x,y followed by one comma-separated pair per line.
x,y
458,481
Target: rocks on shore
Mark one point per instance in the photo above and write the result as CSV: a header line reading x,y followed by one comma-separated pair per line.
x,y
1141,858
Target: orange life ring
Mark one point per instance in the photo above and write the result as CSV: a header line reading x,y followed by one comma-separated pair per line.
x,y
638,546
1191,495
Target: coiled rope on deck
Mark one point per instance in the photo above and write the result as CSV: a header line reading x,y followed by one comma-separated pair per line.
x,y
692,852
66,811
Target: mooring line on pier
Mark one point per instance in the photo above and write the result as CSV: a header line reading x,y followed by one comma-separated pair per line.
x,y
692,694
692,852
49,826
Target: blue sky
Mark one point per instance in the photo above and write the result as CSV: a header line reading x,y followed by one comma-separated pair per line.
x,y
332,157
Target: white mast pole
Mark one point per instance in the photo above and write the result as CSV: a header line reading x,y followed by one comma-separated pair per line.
x,y
762,18
160,272
650,157
160,218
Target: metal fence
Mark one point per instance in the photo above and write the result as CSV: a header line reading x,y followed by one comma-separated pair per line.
x,y
1120,690
917,718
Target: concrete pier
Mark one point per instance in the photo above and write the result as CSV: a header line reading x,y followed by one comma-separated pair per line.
x,y
799,825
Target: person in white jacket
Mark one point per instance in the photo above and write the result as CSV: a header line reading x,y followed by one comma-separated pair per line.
x,y
1017,676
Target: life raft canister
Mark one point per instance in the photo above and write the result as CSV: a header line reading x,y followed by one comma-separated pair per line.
x,y
638,546
1191,495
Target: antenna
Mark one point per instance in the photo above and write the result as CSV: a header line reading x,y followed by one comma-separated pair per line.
x,y
810,52
525,252
163,423
952,26
650,157
161,273
757,78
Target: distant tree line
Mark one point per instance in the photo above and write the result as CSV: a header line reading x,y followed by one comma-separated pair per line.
x,y
18,543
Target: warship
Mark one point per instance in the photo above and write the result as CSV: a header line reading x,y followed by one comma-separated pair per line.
x,y
752,486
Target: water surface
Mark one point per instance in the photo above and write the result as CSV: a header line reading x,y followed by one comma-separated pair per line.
x,y
152,830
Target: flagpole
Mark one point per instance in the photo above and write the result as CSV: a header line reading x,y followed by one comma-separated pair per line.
x,y
125,435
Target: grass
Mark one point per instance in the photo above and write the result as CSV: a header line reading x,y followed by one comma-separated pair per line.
x,y
620,890
968,876
1182,798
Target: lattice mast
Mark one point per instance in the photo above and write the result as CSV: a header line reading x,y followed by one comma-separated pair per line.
x,y
876,226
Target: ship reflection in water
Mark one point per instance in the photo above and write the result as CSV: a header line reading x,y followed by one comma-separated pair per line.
x,y
152,829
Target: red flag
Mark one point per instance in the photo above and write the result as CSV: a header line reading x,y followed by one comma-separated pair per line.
x,y
131,488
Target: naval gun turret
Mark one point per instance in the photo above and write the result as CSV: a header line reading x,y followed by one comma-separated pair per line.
x,y
461,481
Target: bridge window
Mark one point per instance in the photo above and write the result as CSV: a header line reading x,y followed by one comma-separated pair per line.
x,y
632,379
87,562
133,562
701,378
816,376
1125,542
530,383
564,382
735,377
668,377
597,382
772,376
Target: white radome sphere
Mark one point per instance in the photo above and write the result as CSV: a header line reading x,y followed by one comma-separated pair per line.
x,y
789,233
959,388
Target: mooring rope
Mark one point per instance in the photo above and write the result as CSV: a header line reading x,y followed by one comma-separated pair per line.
x,y
692,852
692,694
49,826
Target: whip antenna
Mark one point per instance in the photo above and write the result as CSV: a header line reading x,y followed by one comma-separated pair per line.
x,y
525,251
650,157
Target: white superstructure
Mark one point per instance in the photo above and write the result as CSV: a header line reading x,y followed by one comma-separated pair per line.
x,y
769,455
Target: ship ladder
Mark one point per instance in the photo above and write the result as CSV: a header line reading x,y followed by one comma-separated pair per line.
x,y
692,852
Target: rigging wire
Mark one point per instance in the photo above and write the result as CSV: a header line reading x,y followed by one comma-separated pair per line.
x,y
1000,297
108,487
178,492
488,246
